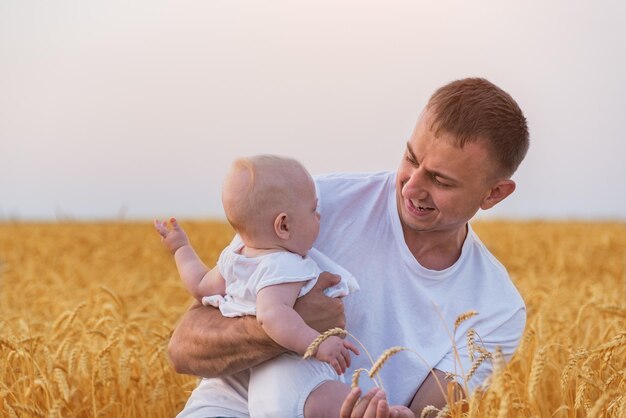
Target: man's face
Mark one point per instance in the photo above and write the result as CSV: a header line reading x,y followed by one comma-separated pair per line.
x,y
439,186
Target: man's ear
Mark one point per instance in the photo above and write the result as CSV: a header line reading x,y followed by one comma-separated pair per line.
x,y
281,226
498,192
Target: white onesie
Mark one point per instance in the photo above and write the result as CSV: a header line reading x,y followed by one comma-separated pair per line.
x,y
278,387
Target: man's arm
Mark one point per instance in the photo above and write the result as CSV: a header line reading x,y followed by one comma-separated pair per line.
x,y
207,344
433,391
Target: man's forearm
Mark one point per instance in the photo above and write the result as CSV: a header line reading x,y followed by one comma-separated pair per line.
x,y
207,344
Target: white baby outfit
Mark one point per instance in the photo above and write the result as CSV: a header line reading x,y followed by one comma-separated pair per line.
x,y
278,387
246,276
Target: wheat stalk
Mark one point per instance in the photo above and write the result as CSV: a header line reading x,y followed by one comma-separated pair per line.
x,y
476,364
355,377
5,342
72,360
617,341
463,317
471,347
74,313
613,309
443,413
310,351
428,410
581,400
32,410
450,376
61,320
571,362
600,404
539,361
615,404
383,358
9,409
498,360
610,381
61,381
503,407
378,364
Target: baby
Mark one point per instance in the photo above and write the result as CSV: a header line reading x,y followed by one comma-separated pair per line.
x,y
271,203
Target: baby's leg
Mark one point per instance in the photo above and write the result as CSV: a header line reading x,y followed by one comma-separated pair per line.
x,y
326,400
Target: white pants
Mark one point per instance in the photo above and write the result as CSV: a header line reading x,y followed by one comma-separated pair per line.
x,y
277,388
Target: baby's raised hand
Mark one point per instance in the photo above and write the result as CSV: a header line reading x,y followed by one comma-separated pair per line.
x,y
336,352
173,238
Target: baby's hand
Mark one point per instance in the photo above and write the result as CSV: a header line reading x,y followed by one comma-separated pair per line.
x,y
336,352
173,238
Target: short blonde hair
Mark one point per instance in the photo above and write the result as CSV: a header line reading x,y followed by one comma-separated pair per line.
x,y
474,109
258,188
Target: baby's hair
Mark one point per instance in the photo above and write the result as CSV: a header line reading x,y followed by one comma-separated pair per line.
x,y
258,188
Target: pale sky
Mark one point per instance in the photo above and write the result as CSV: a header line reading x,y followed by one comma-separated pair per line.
x,y
134,110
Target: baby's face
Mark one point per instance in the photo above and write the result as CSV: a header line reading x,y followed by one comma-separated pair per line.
x,y
305,222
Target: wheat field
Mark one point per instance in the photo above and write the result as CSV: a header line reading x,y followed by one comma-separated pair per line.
x,y
86,311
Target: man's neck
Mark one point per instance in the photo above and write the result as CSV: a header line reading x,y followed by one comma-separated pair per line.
x,y
435,250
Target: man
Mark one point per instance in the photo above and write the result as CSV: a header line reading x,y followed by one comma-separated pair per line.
x,y
405,236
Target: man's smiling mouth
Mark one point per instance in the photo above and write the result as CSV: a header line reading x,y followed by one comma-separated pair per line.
x,y
419,207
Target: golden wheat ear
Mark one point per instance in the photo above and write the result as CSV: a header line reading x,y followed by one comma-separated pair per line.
x,y
463,317
428,410
356,375
479,360
381,361
383,358
310,351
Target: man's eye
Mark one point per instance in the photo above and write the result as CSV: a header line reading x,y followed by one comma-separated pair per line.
x,y
439,183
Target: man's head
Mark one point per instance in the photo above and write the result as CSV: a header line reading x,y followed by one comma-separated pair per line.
x,y
468,141
270,201
473,109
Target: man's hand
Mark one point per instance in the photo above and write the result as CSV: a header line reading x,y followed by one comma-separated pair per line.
x,y
336,352
173,238
372,405
318,310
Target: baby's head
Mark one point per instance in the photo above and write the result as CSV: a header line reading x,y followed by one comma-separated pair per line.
x,y
270,201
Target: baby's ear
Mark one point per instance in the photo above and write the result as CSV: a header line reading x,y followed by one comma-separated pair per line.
x,y
281,226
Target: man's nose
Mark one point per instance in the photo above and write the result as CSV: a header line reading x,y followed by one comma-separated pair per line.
x,y
416,186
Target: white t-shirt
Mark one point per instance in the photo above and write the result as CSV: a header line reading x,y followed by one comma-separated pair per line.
x,y
401,303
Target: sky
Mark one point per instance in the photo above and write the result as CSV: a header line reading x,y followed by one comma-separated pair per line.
x,y
134,110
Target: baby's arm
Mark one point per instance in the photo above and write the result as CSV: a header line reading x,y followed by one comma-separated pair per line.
x,y
282,323
198,279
